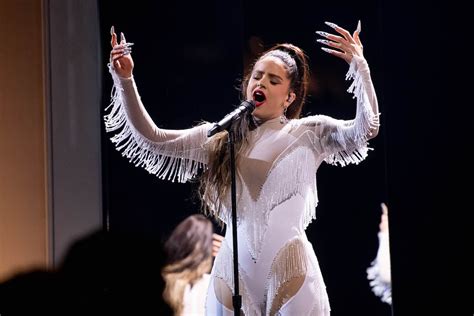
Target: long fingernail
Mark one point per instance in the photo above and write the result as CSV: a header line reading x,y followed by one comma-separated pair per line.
x,y
122,37
358,27
327,50
112,30
324,34
128,44
331,24
323,41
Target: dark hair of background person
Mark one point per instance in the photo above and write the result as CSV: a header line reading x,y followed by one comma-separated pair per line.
x,y
188,253
102,273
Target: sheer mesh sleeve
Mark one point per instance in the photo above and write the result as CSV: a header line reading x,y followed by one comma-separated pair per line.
x,y
346,141
169,154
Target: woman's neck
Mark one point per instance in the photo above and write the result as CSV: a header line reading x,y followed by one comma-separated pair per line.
x,y
273,122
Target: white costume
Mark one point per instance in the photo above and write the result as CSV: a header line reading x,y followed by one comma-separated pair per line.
x,y
195,297
379,272
276,189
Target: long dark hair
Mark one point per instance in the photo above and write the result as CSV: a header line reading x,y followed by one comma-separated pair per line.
x,y
215,181
188,253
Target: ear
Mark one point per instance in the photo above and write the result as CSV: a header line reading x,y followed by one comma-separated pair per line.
x,y
290,99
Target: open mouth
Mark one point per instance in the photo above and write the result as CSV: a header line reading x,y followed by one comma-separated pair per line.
x,y
259,97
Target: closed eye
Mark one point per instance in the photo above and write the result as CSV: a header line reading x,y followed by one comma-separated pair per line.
x,y
274,79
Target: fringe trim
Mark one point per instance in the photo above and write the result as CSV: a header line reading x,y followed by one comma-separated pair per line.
x,y
297,168
380,288
357,130
224,270
178,160
290,262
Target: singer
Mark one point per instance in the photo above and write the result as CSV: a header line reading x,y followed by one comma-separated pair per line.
x,y
278,155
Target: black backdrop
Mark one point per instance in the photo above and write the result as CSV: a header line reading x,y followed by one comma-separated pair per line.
x,y
189,57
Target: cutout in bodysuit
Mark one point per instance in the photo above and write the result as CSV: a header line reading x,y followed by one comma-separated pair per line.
x,y
254,173
286,276
223,293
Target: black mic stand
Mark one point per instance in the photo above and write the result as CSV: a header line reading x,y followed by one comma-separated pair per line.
x,y
226,123
236,298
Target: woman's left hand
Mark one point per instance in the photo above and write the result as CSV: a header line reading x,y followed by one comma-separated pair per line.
x,y
345,46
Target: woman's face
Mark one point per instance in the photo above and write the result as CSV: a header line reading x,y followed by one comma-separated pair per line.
x,y
269,88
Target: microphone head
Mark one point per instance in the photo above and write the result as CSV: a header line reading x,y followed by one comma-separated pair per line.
x,y
250,104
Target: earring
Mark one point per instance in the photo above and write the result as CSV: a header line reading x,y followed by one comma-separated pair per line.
x,y
283,118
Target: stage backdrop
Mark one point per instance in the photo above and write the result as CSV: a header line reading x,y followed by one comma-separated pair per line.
x,y
189,58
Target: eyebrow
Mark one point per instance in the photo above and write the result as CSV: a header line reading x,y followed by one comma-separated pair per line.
x,y
270,74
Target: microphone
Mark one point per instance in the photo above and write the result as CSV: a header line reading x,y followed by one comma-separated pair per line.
x,y
229,118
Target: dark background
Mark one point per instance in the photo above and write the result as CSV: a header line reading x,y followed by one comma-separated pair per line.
x,y
189,57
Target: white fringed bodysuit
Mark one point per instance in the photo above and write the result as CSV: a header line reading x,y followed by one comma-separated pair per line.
x,y
276,191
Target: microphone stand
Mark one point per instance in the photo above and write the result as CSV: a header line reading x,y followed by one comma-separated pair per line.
x,y
226,123
236,298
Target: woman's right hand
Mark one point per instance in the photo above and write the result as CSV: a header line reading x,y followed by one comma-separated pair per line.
x,y
120,56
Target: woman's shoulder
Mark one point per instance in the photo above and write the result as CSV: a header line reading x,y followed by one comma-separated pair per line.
x,y
311,120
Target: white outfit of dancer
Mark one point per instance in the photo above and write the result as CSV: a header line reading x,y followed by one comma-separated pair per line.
x,y
379,272
194,298
276,189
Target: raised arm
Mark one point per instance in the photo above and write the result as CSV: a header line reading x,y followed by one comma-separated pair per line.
x,y
349,48
170,154
345,141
